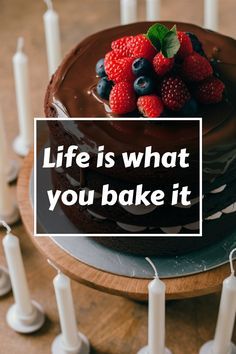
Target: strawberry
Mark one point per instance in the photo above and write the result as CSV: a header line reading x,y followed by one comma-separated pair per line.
x,y
196,67
141,47
120,45
120,70
162,64
174,93
210,90
186,47
150,106
122,98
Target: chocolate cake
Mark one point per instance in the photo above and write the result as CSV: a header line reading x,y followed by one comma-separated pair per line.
x,y
72,93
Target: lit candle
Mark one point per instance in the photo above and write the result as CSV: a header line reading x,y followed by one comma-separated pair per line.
x,y
211,14
24,141
128,11
156,316
52,35
153,10
11,167
62,286
20,288
226,317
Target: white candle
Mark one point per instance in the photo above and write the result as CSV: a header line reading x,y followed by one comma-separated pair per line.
x,y
8,209
226,316
21,75
10,166
156,315
128,11
52,35
62,286
16,269
153,10
211,14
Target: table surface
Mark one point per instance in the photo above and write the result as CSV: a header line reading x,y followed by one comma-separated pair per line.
x,y
114,325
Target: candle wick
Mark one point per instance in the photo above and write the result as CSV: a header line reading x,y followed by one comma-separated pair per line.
x,y
231,261
7,227
153,266
49,4
20,44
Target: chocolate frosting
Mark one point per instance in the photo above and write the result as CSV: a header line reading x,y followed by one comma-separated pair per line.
x,y
72,94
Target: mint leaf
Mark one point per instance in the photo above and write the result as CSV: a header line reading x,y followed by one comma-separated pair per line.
x,y
170,44
174,29
156,34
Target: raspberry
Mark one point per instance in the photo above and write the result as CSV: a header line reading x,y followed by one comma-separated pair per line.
x,y
210,91
111,56
186,47
196,68
122,98
141,47
120,45
162,64
150,106
120,70
174,93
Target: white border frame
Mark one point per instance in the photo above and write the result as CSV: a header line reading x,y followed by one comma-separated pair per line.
x,y
199,119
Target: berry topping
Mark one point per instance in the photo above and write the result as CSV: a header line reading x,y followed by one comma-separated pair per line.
x,y
143,85
122,98
174,93
162,60
100,70
196,44
104,87
120,70
210,91
150,106
141,47
141,66
121,46
162,65
186,47
196,68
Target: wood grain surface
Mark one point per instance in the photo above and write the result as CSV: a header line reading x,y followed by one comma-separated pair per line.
x,y
114,325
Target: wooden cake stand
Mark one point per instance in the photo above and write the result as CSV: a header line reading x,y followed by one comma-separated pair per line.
x,y
177,288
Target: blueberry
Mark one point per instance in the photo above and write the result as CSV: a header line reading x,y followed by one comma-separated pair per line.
x,y
197,45
143,85
141,66
100,70
190,108
104,87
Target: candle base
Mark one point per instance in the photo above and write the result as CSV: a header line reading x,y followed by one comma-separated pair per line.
x,y
145,350
5,282
27,324
207,348
20,147
11,218
59,348
12,171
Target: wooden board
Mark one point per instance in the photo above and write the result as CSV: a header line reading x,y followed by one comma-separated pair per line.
x,y
177,288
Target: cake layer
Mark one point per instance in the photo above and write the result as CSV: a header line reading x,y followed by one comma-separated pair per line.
x,y
215,204
213,231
